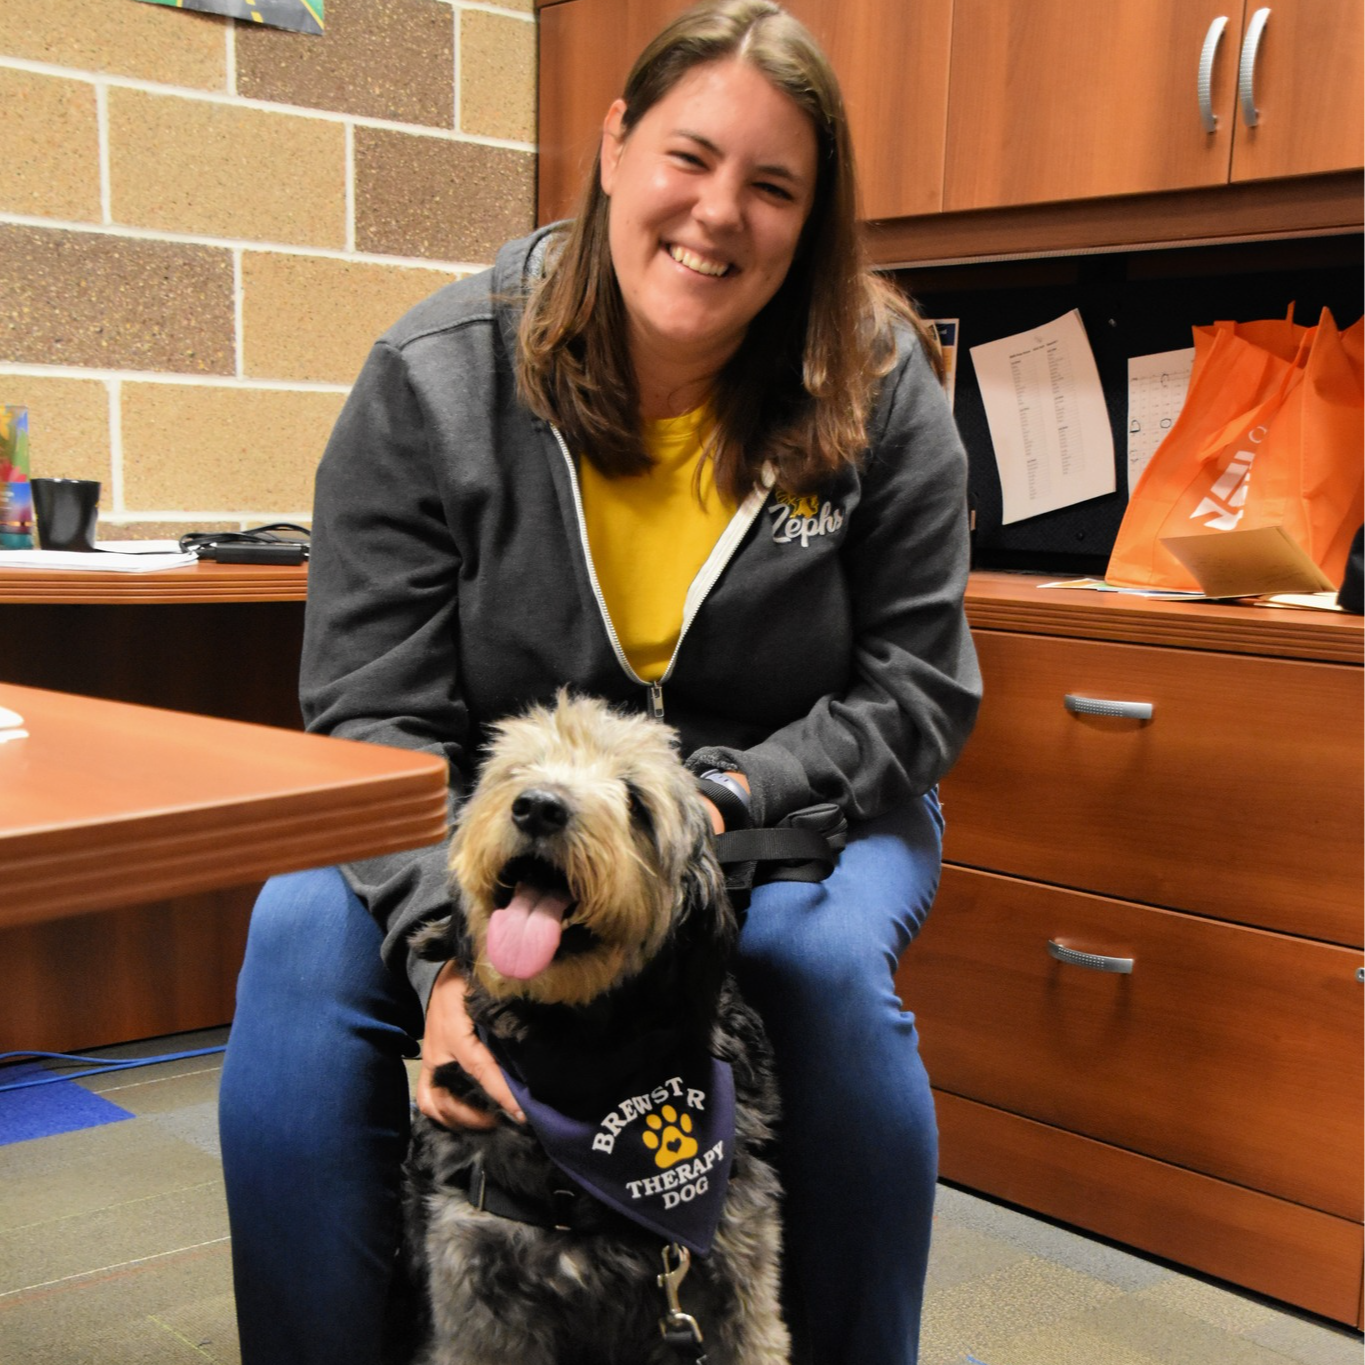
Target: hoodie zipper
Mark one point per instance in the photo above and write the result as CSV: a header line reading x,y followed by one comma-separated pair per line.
x,y
721,554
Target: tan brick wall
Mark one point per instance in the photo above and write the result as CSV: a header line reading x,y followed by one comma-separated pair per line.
x,y
204,225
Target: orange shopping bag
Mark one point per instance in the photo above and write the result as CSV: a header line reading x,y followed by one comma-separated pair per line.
x,y
1270,435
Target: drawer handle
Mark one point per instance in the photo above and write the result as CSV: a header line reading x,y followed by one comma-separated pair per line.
x,y
1246,69
1211,39
1092,962
1096,706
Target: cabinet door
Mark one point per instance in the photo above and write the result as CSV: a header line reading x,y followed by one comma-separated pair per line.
x,y
892,62
891,59
1068,99
1307,88
587,48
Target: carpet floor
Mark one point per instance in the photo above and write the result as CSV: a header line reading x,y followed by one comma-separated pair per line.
x,y
114,1251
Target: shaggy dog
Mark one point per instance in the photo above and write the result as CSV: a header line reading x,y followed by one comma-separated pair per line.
x,y
594,932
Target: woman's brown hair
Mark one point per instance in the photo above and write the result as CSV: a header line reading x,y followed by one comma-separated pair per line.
x,y
797,392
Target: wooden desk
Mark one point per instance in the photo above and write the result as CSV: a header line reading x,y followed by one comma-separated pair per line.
x,y
203,582
109,805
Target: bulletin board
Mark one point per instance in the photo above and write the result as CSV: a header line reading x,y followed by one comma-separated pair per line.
x,y
1132,304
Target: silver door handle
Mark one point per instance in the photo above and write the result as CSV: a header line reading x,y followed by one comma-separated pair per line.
x,y
1092,962
1211,40
1246,70
1097,706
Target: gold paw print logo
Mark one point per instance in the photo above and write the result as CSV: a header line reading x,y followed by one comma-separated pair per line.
x,y
672,1143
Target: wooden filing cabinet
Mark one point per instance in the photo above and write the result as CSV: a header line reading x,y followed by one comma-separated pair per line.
x,y
1139,993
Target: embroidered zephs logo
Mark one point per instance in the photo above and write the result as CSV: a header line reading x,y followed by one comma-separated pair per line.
x,y
799,517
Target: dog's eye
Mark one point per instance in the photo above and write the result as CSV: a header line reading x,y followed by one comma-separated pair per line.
x,y
639,811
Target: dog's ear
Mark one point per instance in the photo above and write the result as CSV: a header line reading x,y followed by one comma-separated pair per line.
x,y
705,934
442,939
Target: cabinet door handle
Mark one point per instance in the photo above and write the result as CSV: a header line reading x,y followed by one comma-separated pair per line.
x,y
1211,40
1246,71
1096,706
1092,962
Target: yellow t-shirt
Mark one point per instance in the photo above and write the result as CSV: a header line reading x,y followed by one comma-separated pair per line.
x,y
651,533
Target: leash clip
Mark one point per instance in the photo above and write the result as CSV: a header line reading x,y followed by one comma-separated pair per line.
x,y
677,1327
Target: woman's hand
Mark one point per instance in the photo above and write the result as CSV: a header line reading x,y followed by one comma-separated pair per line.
x,y
450,1037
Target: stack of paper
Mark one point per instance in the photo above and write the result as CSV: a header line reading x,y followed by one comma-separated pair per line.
x,y
97,561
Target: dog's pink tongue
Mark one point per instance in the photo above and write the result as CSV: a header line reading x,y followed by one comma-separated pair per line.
x,y
524,935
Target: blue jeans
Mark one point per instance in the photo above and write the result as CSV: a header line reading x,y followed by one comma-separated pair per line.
x,y
314,1108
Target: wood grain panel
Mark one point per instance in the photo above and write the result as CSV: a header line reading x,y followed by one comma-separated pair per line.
x,y
202,582
141,972
105,804
1268,1245
234,660
1017,602
891,59
1307,206
1066,99
1240,799
1229,1051
587,48
1309,86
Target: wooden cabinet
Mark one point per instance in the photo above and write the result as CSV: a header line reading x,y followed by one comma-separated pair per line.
x,y
1139,993
1018,127
1064,99
891,59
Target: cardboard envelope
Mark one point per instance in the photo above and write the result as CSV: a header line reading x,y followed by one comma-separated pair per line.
x,y
1248,563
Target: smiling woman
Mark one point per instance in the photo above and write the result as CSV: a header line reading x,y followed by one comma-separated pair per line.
x,y
685,454
710,191
724,90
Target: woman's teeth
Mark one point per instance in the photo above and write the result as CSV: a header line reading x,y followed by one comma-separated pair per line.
x,y
698,263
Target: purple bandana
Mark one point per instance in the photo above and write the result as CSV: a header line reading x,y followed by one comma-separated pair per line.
x,y
660,1155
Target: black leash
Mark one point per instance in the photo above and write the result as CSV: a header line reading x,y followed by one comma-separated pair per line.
x,y
795,854
802,847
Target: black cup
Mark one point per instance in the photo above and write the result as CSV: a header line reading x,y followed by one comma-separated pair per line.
x,y
65,512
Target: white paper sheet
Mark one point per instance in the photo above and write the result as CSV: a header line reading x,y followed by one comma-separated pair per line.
x,y
1045,408
1157,385
94,561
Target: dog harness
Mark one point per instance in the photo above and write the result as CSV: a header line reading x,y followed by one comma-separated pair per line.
x,y
657,1149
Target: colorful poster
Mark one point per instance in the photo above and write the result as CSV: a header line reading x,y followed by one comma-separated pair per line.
x,y
301,16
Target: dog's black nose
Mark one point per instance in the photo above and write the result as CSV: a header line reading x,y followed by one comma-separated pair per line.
x,y
538,813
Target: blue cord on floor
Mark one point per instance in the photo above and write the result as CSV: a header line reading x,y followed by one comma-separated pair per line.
x,y
103,1064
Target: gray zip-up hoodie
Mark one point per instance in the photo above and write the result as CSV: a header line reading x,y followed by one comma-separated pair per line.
x,y
825,652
